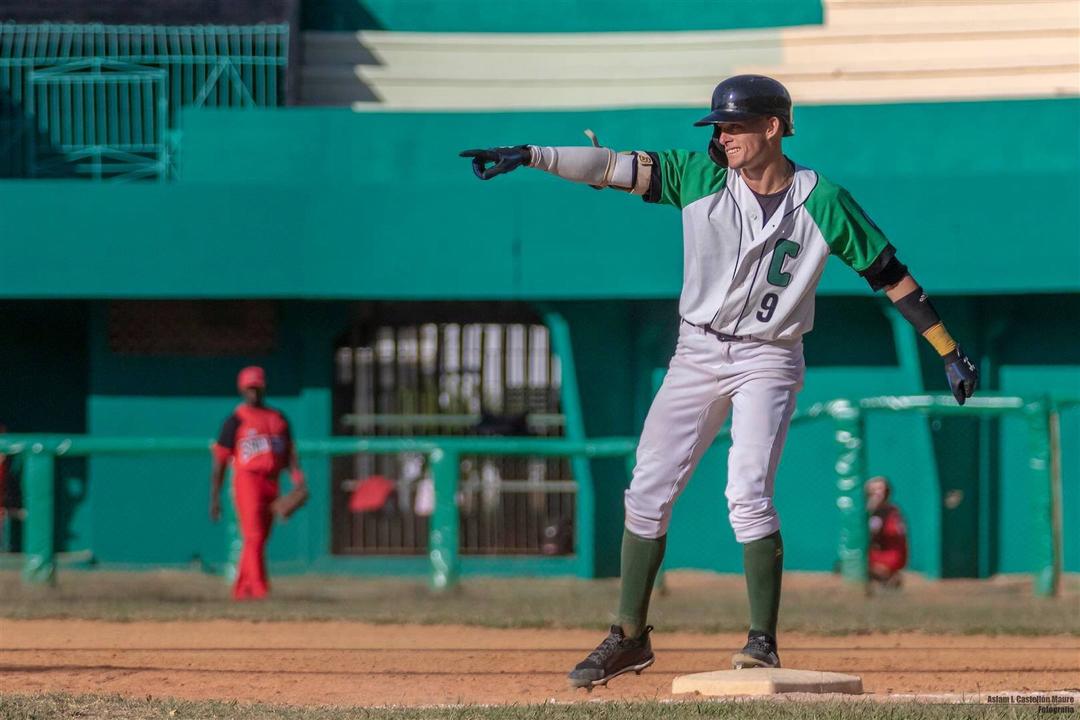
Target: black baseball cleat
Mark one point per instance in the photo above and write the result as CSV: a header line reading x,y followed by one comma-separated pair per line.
x,y
618,654
759,652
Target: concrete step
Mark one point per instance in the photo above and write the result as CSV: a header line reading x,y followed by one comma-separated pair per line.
x,y
920,58
695,92
1033,49
868,50
840,14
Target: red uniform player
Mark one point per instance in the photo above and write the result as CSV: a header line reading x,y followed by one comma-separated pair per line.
x,y
888,534
258,441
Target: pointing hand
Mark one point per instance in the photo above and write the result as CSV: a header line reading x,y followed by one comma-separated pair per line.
x,y
502,159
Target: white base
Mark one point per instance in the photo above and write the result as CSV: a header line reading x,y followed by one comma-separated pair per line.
x,y
765,681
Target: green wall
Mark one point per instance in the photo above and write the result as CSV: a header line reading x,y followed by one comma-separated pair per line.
x,y
555,15
311,205
153,509
1017,526
327,203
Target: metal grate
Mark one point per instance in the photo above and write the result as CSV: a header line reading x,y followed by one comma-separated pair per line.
x,y
94,93
451,379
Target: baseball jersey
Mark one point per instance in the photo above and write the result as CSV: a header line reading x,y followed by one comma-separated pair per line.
x,y
888,538
747,275
257,439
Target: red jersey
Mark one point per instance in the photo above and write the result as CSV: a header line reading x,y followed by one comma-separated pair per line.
x,y
888,538
256,439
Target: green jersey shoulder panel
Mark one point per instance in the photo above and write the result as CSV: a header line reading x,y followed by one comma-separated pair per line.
x,y
848,230
687,176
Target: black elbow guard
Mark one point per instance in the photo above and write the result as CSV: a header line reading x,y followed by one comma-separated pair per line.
x,y
652,194
885,270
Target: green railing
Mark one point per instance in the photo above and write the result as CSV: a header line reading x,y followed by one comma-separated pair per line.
x,y
103,101
444,455
1044,469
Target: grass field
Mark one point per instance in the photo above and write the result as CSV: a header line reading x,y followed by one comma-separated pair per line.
x,y
700,602
15,707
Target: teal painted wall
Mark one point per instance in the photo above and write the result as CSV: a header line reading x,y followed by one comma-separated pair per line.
x,y
327,203
1017,522
1035,357
555,15
153,509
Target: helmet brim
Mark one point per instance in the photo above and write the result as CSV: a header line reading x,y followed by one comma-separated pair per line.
x,y
727,116
724,116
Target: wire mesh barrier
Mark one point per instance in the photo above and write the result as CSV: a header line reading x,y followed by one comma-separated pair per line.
x,y
103,101
451,379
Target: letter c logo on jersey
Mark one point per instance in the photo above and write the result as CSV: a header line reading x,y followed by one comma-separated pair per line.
x,y
784,249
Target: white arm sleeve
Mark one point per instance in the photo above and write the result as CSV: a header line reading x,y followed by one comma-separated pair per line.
x,y
592,165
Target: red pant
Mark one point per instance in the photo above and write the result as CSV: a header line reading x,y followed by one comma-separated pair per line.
x,y
253,493
893,559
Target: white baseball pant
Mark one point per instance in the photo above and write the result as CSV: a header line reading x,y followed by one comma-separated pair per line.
x,y
708,378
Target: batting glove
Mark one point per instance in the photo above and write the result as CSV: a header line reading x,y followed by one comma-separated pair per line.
x,y
503,159
962,375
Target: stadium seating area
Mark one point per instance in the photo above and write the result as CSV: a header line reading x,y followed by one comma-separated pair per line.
x,y
866,51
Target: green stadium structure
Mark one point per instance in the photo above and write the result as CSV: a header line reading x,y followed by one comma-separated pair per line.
x,y
351,252
103,101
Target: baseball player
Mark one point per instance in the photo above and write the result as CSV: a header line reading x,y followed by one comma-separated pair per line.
x,y
257,440
888,534
757,230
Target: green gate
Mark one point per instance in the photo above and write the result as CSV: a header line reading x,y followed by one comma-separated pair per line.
x,y
103,101
100,119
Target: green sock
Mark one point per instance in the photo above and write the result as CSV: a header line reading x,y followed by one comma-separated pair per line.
x,y
641,558
763,561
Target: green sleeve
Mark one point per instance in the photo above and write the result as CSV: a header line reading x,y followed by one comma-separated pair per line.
x,y
686,177
851,234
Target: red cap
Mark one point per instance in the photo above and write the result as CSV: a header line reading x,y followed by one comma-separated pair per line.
x,y
253,376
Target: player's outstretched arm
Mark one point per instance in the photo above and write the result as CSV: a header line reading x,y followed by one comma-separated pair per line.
x,y
599,167
913,304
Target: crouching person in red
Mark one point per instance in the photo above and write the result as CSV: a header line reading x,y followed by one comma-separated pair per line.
x,y
888,534
258,441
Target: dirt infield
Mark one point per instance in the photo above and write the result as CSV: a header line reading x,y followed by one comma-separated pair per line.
x,y
343,663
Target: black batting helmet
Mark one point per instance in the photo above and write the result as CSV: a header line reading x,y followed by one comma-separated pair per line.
x,y
748,96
